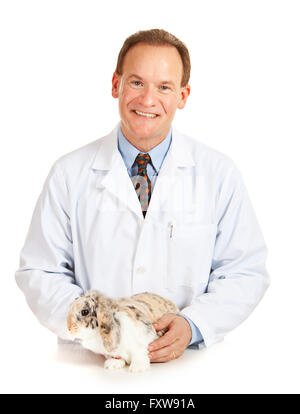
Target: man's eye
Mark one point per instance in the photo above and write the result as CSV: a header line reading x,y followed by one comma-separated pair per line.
x,y
164,87
84,312
136,83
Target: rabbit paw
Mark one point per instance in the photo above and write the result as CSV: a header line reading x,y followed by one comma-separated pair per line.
x,y
113,363
139,365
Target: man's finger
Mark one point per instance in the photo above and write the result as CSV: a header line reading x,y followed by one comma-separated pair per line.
x,y
161,355
166,340
164,359
166,354
164,321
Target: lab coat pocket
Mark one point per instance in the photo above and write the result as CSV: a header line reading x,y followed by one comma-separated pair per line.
x,y
189,254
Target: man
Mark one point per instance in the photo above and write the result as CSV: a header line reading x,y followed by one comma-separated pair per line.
x,y
147,209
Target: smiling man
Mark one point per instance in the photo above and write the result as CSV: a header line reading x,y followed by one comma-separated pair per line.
x,y
147,208
149,87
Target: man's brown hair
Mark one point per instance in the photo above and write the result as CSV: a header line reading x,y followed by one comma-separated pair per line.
x,y
157,37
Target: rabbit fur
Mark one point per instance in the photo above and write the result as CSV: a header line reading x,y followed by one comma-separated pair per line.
x,y
120,329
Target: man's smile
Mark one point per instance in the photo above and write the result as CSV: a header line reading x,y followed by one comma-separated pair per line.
x,y
145,114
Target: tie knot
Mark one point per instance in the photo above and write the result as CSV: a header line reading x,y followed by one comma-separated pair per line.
x,y
142,161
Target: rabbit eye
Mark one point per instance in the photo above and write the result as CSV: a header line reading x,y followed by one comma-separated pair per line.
x,y
84,312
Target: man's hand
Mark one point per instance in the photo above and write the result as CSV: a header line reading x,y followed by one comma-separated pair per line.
x,y
174,342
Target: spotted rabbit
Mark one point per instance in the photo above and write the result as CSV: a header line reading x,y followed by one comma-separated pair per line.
x,y
120,329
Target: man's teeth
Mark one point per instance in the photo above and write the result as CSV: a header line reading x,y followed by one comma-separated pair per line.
x,y
145,114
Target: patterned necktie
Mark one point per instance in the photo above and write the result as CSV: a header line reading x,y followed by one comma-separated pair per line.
x,y
141,181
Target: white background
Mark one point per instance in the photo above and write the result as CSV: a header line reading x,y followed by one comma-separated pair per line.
x,y
57,60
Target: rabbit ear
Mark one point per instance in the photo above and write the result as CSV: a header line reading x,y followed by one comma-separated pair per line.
x,y
109,325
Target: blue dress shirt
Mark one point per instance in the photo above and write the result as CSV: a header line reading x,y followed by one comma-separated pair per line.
x,y
157,154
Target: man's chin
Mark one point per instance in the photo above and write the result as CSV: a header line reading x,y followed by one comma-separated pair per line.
x,y
142,134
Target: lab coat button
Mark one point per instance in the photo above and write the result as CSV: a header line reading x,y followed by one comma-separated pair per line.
x,y
140,270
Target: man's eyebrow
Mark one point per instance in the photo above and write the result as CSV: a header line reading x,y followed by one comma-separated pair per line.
x,y
135,76
167,82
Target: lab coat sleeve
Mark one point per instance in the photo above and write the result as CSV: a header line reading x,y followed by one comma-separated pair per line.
x,y
196,334
46,272
238,278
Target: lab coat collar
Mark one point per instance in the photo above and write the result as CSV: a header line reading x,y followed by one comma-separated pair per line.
x,y
108,151
117,181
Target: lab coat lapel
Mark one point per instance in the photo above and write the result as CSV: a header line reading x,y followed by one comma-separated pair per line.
x,y
113,175
115,179
179,155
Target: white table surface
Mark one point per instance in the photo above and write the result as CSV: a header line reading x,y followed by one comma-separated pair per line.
x,y
32,362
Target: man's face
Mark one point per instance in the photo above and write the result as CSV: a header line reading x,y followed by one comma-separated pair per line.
x,y
149,92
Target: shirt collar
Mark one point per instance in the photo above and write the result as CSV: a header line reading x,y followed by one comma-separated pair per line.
x,y
129,151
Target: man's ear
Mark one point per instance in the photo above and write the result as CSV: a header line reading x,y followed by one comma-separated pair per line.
x,y
115,85
184,94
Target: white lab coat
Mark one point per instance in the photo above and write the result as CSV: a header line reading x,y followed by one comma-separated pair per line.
x,y
199,245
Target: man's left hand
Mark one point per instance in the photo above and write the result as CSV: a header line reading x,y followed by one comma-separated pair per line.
x,y
174,342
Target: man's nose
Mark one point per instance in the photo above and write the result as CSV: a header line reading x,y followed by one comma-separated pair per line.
x,y
148,96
